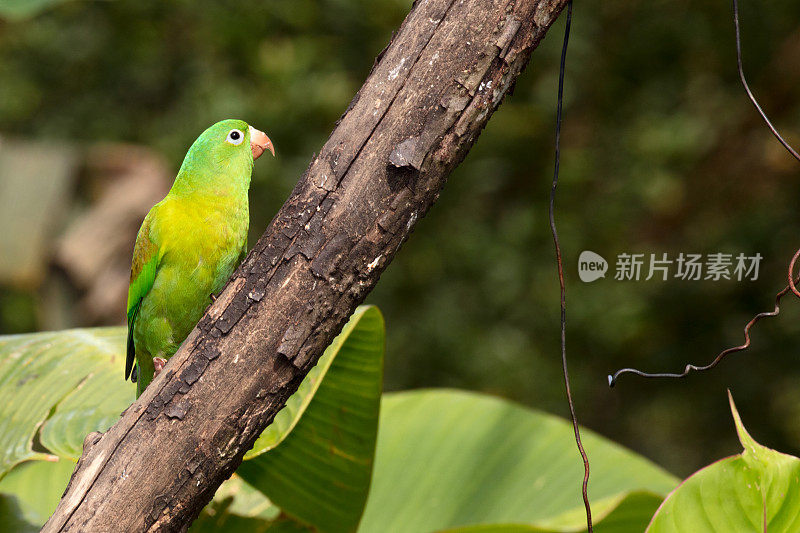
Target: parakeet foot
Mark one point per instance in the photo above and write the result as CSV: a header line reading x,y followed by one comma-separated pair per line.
x,y
158,363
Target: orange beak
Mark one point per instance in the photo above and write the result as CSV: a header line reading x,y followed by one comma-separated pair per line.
x,y
260,143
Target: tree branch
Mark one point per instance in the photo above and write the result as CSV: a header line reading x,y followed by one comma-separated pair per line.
x,y
422,107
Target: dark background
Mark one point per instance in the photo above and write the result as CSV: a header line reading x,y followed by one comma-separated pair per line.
x,y
661,152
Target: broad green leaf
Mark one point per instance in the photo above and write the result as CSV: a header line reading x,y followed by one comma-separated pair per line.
x,y
75,377
95,405
633,510
37,487
11,516
239,508
739,493
37,371
631,513
244,500
497,528
450,459
30,493
218,518
318,461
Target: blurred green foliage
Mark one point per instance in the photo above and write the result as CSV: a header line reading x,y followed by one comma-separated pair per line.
x,y
661,153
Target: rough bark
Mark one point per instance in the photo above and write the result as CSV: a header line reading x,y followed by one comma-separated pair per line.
x,y
429,95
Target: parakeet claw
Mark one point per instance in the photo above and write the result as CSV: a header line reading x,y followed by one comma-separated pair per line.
x,y
213,297
158,363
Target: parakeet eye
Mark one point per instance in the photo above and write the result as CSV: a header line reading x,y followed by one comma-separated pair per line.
x,y
235,137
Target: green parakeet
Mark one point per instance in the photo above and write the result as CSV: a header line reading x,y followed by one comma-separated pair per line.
x,y
189,244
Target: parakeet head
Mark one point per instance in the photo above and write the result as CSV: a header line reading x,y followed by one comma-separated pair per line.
x,y
223,156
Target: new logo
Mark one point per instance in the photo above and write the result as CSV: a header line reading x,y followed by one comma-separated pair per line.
x,y
591,266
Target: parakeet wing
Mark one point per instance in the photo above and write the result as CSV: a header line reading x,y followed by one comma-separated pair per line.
x,y
143,273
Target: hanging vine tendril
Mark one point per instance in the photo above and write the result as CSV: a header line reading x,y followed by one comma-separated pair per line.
x,y
747,87
575,427
612,379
